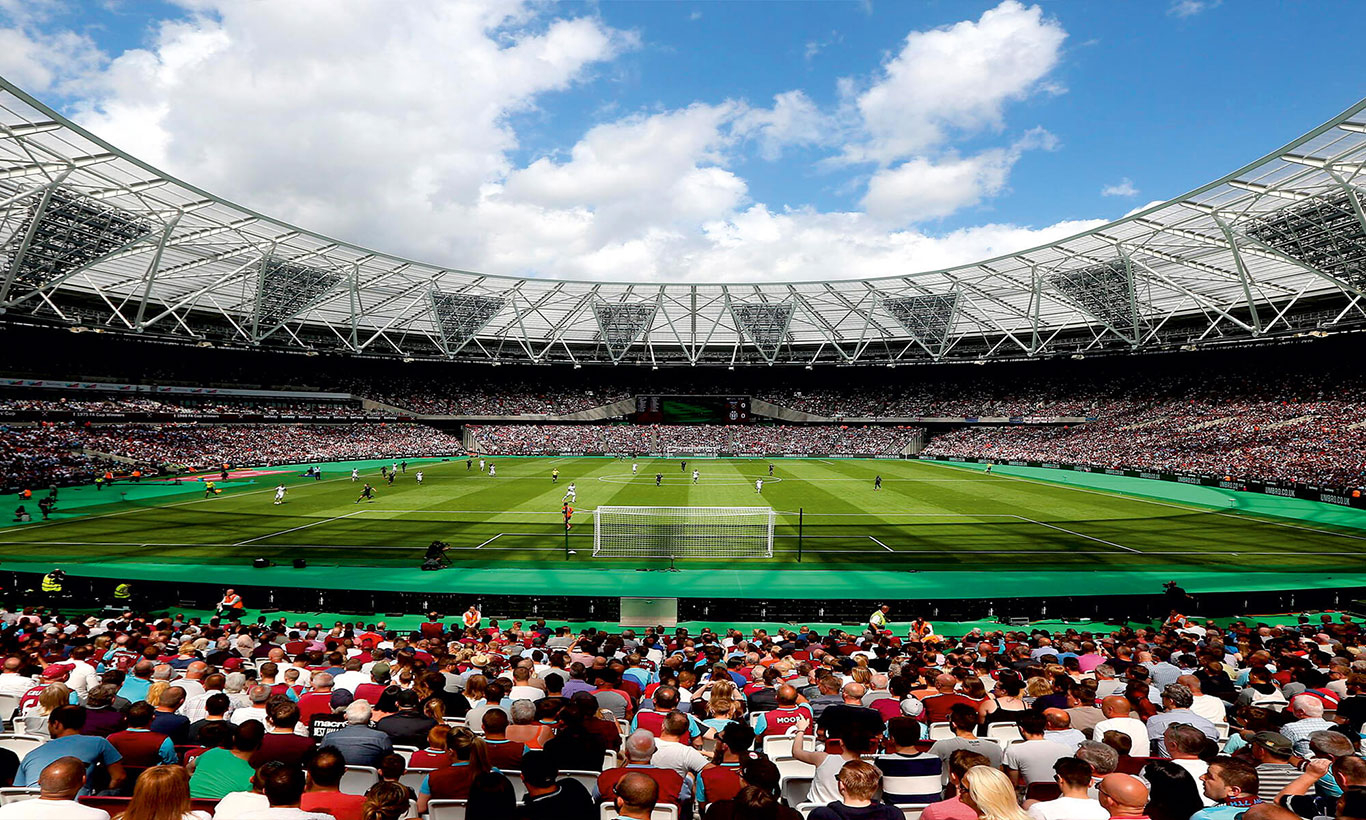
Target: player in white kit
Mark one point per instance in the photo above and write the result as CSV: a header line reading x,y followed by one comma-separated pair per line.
x,y
418,476
759,485
280,494
634,467
481,465
571,493
695,474
355,474
493,471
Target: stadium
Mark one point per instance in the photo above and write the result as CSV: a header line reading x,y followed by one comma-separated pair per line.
x,y
1154,415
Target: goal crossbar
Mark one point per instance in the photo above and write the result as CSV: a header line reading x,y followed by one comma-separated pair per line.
x,y
683,532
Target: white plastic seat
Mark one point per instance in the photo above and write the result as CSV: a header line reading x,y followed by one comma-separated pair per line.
x,y
912,812
805,809
1004,731
795,788
780,746
940,731
358,779
21,745
589,780
412,778
1223,730
16,794
446,810
607,811
9,704
792,767
405,752
518,787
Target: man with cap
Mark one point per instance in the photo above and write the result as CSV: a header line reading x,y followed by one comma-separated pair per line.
x,y
1271,751
52,673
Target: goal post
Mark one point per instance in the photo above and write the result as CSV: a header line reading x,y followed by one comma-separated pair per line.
x,y
683,532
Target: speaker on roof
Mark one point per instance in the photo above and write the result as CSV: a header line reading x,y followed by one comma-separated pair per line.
x,y
300,563
261,563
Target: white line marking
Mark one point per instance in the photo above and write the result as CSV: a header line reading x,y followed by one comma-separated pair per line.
x,y
1079,534
1189,508
180,504
490,541
880,544
302,527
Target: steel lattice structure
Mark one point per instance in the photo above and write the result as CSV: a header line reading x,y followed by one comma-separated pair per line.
x,y
93,239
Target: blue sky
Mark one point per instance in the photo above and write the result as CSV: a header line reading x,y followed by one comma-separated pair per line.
x,y
624,139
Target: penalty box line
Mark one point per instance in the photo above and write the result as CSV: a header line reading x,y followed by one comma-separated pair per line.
x,y
1080,535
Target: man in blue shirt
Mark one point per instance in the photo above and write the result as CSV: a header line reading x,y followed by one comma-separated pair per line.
x,y
65,724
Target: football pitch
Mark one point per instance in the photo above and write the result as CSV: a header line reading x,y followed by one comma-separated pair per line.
x,y
926,516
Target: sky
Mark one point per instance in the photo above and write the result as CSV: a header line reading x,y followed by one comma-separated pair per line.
x,y
691,141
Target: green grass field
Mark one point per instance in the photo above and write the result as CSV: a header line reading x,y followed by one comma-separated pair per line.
x,y
927,516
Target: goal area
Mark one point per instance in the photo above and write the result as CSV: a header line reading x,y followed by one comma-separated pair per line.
x,y
683,532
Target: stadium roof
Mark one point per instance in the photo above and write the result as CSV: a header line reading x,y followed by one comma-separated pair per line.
x,y
94,239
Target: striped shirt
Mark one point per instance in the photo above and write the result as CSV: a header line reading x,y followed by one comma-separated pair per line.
x,y
910,779
1272,777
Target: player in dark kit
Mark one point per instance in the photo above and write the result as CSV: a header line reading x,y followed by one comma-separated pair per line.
x,y
770,470
877,483
659,479
367,493
390,477
683,465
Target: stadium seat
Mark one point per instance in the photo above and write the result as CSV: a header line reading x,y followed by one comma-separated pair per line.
x,y
1223,728
609,760
791,766
9,704
780,746
665,812
405,752
805,809
588,779
912,812
358,779
446,810
518,787
21,745
795,788
412,778
940,731
1004,731
14,794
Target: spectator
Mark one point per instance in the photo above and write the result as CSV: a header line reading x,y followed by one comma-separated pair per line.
x,y
1173,793
325,769
1124,796
138,745
635,796
991,794
1074,780
226,768
280,741
235,804
162,793
59,782
387,801
284,788
359,744
858,783
1232,785
453,782
909,776
65,723
1032,761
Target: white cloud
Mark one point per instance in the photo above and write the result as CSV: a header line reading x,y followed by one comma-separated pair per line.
x,y
1190,8
389,125
921,189
957,78
1125,187
793,120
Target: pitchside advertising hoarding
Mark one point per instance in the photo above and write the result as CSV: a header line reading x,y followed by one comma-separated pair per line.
x,y
1302,491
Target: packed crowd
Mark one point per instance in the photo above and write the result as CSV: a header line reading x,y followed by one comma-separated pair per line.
x,y
500,398
257,720
1320,442
243,406
542,439
52,453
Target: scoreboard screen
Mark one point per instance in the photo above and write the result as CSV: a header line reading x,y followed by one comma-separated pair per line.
x,y
692,410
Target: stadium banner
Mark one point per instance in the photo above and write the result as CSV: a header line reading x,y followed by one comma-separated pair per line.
x,y
1302,491
183,417
110,387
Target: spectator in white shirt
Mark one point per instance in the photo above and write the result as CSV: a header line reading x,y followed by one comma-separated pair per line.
x,y
1074,778
58,784
1117,709
13,683
674,752
1060,730
257,710
1206,706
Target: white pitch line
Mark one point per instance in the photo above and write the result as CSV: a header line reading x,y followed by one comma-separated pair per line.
x,y
1185,507
1079,534
301,527
880,544
490,541
174,504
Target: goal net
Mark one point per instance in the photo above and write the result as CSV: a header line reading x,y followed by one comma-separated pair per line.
x,y
683,532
